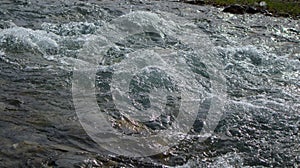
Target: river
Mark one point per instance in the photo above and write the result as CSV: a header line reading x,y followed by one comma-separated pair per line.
x,y
232,84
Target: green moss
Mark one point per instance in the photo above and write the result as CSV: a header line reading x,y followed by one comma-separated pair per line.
x,y
277,7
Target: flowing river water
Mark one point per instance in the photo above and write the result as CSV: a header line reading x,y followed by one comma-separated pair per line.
x,y
256,57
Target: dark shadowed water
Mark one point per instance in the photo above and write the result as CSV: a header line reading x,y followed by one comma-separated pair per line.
x,y
41,41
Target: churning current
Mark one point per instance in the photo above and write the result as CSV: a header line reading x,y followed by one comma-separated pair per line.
x,y
97,83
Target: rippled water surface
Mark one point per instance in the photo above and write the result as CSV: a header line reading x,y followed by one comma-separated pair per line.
x,y
258,57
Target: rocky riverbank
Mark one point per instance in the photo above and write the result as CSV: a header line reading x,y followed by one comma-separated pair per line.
x,y
282,8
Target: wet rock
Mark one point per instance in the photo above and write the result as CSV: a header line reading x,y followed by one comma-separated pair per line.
x,y
239,9
235,9
252,10
129,127
266,12
194,2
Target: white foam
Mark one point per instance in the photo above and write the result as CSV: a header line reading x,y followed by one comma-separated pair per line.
x,y
19,38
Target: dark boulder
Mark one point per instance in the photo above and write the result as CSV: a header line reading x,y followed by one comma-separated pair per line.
x,y
235,9
194,2
252,10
